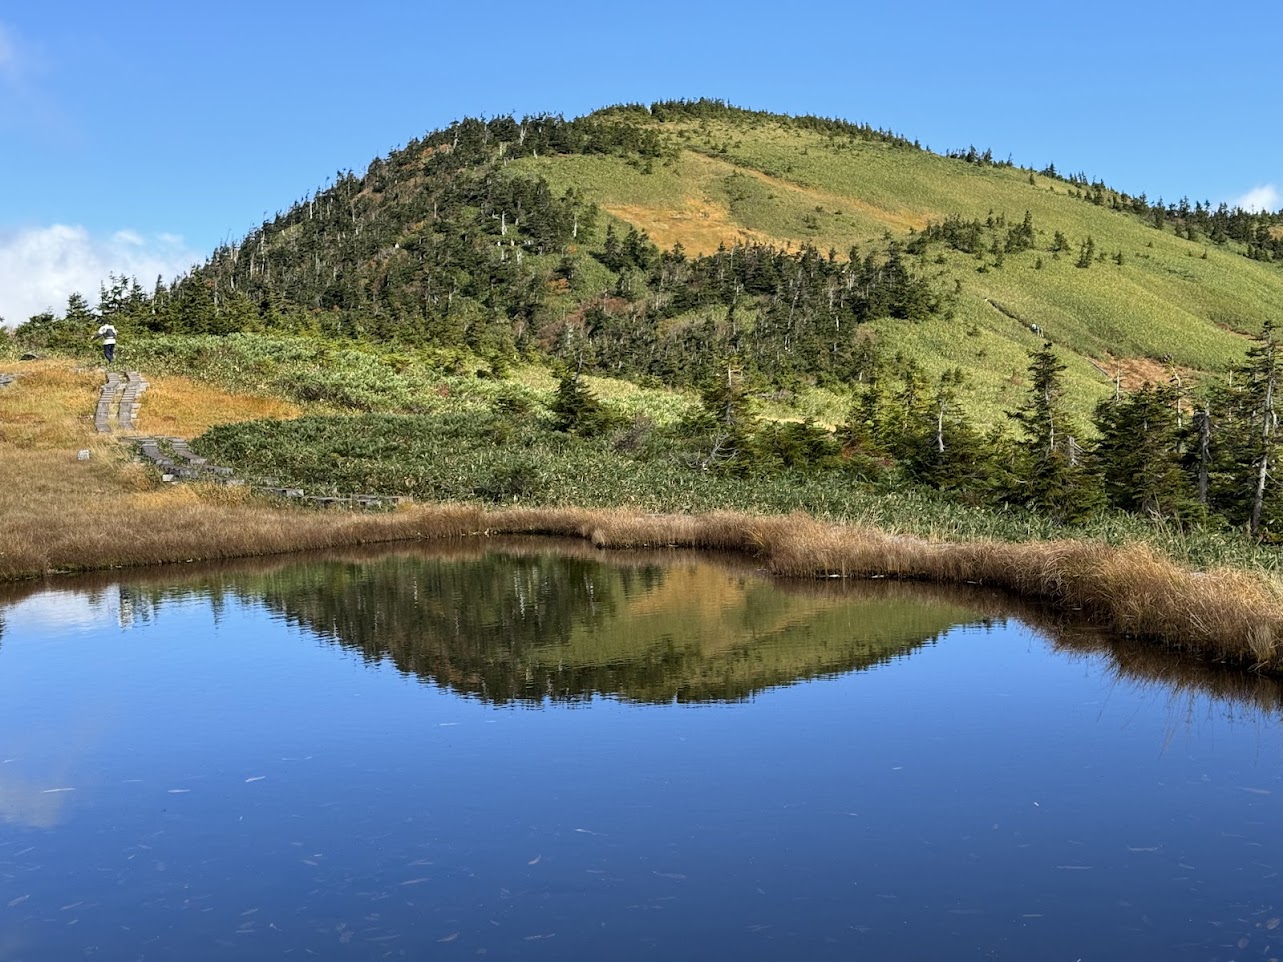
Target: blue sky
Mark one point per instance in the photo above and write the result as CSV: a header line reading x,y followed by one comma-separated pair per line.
x,y
134,137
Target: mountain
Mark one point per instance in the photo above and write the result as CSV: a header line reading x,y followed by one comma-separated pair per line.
x,y
660,243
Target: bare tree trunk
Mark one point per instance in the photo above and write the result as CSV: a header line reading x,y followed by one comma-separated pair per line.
x,y
1267,431
1204,419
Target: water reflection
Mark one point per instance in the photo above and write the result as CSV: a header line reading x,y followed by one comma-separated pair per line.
x,y
326,758
525,620
507,627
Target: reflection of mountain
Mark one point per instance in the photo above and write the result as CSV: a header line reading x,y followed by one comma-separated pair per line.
x,y
508,627
523,619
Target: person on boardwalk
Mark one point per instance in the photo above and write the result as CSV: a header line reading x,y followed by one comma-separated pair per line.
x,y
107,334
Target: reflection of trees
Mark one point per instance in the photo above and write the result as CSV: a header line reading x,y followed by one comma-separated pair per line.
x,y
1181,675
464,624
508,627
524,619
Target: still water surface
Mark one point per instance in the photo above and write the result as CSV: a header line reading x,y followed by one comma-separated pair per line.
x,y
537,754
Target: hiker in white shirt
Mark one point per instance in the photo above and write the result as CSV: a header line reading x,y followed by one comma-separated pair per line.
x,y
107,334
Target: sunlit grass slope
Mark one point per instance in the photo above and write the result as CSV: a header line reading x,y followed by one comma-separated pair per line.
x,y
1149,296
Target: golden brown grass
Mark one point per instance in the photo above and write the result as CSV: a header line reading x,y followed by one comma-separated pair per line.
x,y
700,226
51,404
61,514
180,407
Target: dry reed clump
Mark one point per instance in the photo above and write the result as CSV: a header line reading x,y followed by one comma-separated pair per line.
x,y
622,528
1228,614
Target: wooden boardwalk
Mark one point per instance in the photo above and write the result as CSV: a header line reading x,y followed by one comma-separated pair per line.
x,y
119,404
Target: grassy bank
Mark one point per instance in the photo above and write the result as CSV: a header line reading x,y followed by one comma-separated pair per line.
x,y
63,514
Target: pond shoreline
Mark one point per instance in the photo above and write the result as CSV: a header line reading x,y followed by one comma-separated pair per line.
x,y
1225,614
73,500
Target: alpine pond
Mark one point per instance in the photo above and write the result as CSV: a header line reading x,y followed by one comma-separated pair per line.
x,y
536,751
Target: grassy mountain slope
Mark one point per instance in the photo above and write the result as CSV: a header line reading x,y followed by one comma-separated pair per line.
x,y
1171,301
665,244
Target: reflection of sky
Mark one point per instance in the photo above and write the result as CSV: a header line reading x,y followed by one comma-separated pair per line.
x,y
27,803
62,611
43,740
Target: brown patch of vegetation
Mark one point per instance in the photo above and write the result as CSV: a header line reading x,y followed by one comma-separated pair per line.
x,y
1136,372
700,226
180,407
60,513
51,404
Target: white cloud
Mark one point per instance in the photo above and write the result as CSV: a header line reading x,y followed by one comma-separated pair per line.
x,y
1264,198
40,266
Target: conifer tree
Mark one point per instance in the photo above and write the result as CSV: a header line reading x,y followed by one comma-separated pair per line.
x,y
861,436
1139,454
577,410
1051,470
723,427
950,454
1086,254
1245,439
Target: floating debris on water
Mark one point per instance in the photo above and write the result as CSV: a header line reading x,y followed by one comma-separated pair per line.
x,y
255,778
55,791
449,938
535,860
